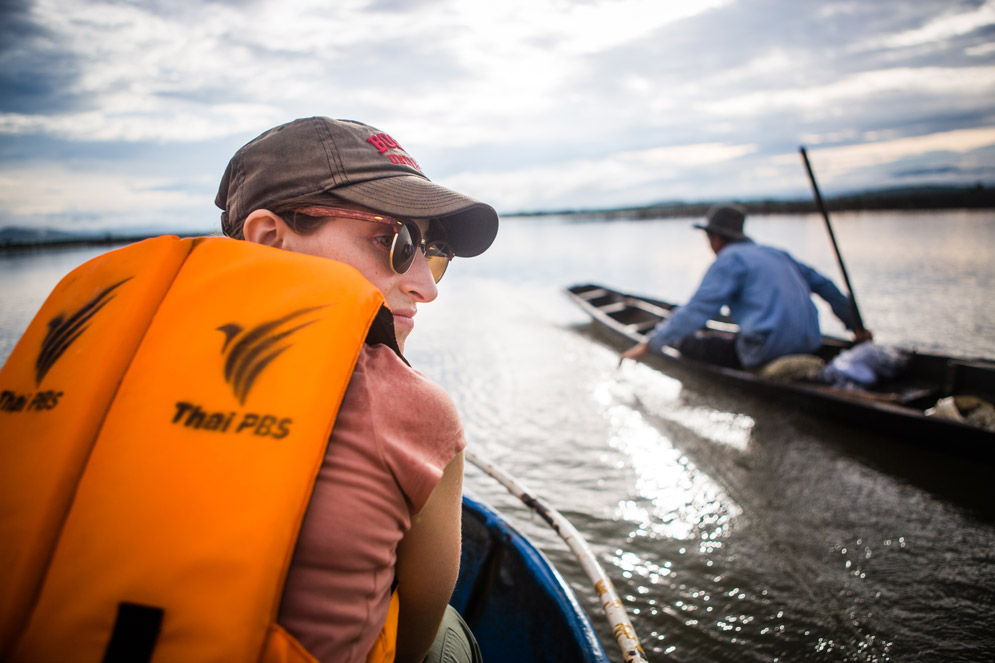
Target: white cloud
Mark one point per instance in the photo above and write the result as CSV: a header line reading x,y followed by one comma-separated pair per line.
x,y
141,71
612,178
156,125
570,28
860,88
981,50
941,28
52,190
837,161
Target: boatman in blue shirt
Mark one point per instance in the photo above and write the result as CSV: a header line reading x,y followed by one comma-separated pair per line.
x,y
769,295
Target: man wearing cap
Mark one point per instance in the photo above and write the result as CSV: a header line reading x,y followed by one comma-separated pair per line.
x,y
768,294
283,484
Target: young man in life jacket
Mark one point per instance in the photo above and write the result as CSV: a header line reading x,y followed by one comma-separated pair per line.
x,y
386,507
179,497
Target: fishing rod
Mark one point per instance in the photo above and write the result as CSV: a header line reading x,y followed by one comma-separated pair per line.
x,y
625,635
832,237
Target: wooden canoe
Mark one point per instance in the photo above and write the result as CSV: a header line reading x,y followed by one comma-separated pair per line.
x,y
897,408
519,608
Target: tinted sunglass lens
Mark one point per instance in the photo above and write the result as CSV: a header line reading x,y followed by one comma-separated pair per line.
x,y
402,252
438,255
406,243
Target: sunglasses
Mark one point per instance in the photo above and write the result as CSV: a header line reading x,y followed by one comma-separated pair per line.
x,y
407,238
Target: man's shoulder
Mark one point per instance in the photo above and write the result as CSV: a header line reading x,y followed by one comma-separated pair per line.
x,y
750,256
754,249
743,250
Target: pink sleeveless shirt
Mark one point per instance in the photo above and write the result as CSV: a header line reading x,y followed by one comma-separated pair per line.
x,y
395,433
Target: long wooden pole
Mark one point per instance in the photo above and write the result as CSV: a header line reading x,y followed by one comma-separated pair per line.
x,y
625,635
832,236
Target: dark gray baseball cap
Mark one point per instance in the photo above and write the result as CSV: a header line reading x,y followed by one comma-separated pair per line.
x,y
355,162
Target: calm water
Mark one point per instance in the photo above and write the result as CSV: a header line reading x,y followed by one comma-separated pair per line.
x,y
734,529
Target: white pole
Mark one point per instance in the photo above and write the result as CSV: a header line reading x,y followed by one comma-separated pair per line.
x,y
625,635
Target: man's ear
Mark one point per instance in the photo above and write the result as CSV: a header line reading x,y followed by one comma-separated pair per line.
x,y
264,227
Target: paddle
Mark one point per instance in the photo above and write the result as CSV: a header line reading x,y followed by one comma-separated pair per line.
x,y
832,236
625,635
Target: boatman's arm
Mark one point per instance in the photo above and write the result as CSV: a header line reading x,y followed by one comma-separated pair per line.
x,y
841,305
720,284
635,352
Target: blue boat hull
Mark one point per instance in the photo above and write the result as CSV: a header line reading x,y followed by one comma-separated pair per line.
x,y
519,607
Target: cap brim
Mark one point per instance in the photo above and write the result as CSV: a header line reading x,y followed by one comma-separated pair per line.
x,y
721,233
471,225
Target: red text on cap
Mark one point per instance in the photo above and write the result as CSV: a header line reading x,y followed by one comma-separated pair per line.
x,y
384,143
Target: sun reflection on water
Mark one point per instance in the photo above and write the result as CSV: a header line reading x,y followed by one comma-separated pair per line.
x,y
674,498
728,428
660,396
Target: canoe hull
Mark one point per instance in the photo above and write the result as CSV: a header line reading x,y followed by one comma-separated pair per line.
x,y
517,605
626,318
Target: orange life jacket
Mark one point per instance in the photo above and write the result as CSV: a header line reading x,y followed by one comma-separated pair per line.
x,y
162,423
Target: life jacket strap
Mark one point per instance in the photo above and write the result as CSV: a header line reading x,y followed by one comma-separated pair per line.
x,y
135,632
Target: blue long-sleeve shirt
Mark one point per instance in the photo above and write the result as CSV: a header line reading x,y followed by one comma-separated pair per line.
x,y
769,296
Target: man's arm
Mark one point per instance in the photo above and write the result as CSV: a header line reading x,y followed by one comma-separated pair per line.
x,y
428,564
841,305
721,282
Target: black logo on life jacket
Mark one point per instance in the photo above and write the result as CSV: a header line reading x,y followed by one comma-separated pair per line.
x,y
62,331
250,351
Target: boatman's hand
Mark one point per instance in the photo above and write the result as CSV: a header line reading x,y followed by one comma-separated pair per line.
x,y
861,335
635,352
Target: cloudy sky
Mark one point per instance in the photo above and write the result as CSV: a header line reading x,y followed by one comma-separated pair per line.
x,y
123,113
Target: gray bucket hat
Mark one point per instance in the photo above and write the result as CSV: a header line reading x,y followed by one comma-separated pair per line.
x,y
355,162
727,221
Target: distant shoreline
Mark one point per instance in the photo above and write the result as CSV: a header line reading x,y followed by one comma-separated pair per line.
x,y
10,246
909,199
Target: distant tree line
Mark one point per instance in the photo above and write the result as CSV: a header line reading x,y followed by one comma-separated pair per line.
x,y
908,198
20,239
